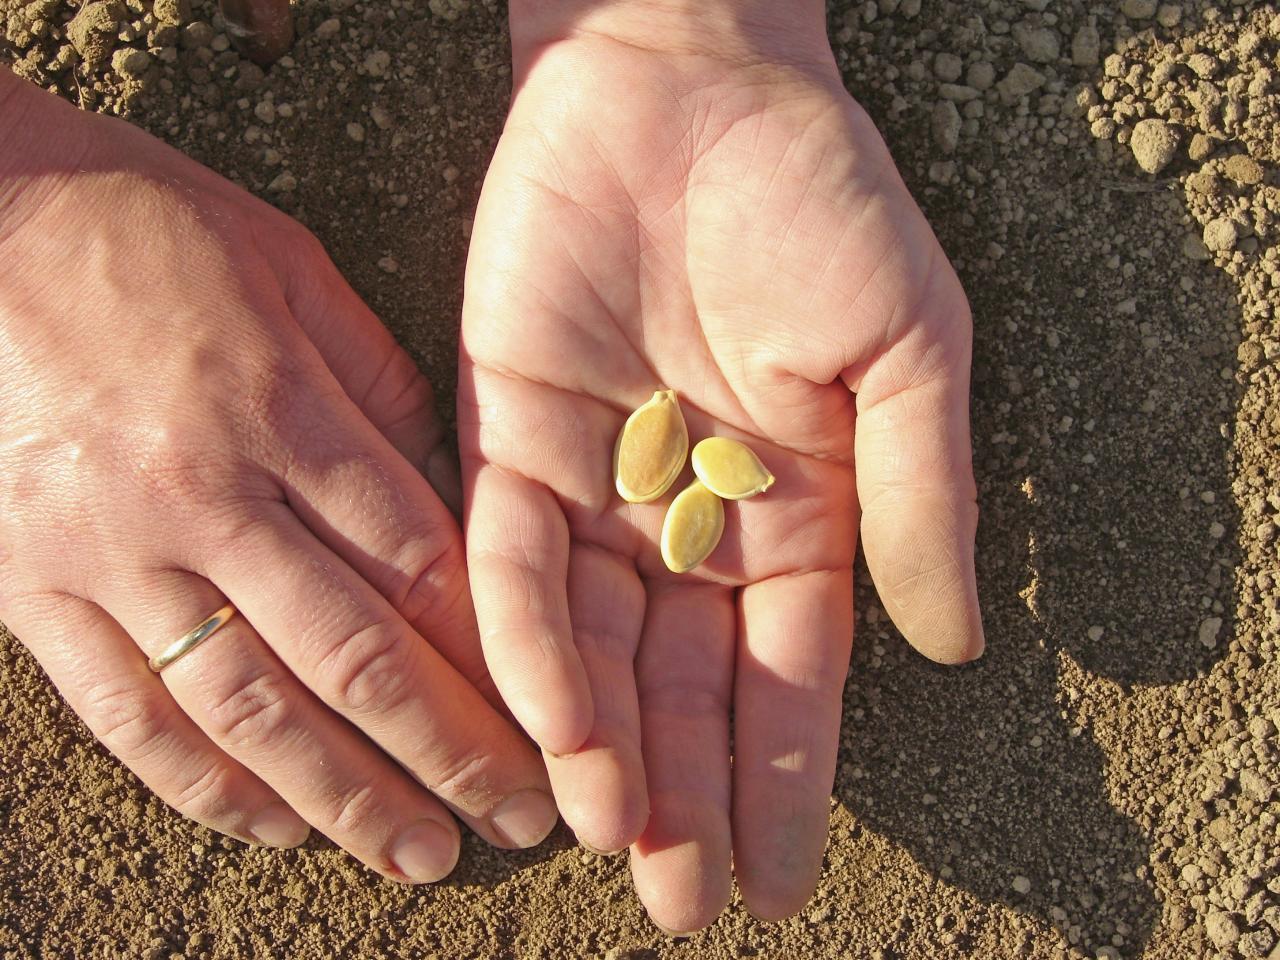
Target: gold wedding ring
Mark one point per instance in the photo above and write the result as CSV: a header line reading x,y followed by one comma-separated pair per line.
x,y
189,641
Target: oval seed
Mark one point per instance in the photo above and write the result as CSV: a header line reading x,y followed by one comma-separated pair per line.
x,y
692,528
651,448
730,469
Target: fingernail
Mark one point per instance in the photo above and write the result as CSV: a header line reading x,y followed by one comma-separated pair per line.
x,y
524,818
671,933
599,853
277,825
425,852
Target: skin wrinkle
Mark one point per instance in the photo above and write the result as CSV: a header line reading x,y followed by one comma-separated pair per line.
x,y
225,386
796,219
784,200
603,511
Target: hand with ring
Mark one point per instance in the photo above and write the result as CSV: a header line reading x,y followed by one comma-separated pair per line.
x,y
200,418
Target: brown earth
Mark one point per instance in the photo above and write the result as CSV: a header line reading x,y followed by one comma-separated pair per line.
x,y
1106,782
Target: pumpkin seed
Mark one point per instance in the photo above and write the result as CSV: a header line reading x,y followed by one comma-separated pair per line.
x,y
651,449
730,469
692,528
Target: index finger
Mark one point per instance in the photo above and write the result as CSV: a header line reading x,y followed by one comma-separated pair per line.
x,y
518,556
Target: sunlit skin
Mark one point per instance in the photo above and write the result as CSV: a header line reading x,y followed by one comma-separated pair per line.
x,y
198,407
719,218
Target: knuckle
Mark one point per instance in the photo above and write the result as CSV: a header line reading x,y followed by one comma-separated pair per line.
x,y
370,670
257,711
516,583
273,400
208,798
236,525
170,462
429,585
401,394
129,721
612,645
305,247
466,779
355,809
688,700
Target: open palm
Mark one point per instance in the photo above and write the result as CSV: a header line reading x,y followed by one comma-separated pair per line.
x,y
737,234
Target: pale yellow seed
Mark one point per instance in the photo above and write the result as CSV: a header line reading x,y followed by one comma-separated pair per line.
x,y
730,469
692,528
651,449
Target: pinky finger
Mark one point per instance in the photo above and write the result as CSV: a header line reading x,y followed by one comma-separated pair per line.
x,y
105,679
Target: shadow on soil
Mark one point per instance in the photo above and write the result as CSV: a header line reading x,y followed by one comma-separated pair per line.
x,y
1105,521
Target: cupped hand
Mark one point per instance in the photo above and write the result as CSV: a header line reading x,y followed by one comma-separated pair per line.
x,y
733,229
197,408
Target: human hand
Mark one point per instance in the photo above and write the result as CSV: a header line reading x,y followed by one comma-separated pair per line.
x,y
197,406
684,196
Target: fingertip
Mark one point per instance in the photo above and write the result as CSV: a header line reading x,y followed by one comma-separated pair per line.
x,y
610,839
921,558
559,725
524,819
685,916
426,852
772,897
673,933
276,825
952,652
942,643
603,799
778,867
769,902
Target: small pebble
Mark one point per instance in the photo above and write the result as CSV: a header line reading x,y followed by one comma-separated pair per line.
x,y
1039,44
1154,144
1221,234
947,67
284,182
1086,46
1208,632
130,62
1222,929
376,63
1242,168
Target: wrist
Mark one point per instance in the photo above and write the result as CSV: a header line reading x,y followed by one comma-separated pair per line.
x,y
743,32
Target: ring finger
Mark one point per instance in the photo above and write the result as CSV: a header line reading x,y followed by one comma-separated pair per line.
x,y
127,707
236,690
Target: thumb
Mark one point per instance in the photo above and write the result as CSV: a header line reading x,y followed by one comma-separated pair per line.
x,y
915,484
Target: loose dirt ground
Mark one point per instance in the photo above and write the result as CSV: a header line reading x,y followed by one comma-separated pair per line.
x,y
1105,783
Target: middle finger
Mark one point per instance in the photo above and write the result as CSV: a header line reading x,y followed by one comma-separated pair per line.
x,y
344,640
249,703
